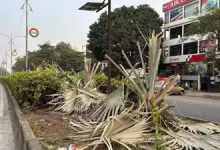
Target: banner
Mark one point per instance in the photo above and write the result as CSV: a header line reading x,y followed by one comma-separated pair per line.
x,y
205,4
207,46
191,10
176,14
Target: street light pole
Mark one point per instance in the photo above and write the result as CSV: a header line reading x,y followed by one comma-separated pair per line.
x,y
27,5
6,59
109,46
26,47
11,51
95,6
11,39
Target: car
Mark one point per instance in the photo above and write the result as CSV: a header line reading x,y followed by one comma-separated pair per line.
x,y
176,90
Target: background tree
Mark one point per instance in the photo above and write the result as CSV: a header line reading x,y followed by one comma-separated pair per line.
x,y
62,54
19,64
3,72
124,31
208,24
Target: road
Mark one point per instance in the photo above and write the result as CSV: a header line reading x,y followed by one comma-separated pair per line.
x,y
6,136
200,108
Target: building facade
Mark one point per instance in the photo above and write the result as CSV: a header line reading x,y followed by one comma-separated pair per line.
x,y
179,49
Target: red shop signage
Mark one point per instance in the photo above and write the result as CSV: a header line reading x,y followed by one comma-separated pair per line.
x,y
174,4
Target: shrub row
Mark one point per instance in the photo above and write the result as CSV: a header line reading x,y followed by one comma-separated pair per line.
x,y
32,88
102,80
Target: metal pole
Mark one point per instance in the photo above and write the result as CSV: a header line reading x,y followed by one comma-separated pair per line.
x,y
109,45
6,59
3,72
11,51
26,63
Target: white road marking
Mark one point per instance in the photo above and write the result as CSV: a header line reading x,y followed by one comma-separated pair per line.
x,y
1,101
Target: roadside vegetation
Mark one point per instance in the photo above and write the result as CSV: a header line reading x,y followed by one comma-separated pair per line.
x,y
121,120
64,107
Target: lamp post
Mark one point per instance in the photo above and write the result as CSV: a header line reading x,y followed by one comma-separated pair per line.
x,y
95,6
85,46
11,39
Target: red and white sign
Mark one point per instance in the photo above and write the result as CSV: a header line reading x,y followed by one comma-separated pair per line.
x,y
183,58
174,4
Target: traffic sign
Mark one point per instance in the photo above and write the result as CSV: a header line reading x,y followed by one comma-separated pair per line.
x,y
34,32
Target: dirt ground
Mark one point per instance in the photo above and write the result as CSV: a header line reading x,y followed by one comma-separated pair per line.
x,y
50,128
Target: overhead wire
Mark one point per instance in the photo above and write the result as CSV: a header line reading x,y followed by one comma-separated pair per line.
x,y
19,23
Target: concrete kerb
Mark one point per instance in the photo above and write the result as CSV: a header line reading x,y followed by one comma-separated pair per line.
x,y
196,119
23,134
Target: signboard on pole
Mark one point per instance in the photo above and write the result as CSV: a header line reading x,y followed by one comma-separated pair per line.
x,y
34,32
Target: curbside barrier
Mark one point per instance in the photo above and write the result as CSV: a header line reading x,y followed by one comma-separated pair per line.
x,y
23,135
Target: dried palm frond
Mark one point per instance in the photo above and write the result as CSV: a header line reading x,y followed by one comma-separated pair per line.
x,y
78,104
79,101
124,130
201,128
84,94
110,106
188,141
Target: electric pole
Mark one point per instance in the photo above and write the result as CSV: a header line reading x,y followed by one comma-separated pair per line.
x,y
109,46
6,59
27,9
11,44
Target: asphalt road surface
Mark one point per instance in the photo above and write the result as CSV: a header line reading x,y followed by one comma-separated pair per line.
x,y
6,136
195,107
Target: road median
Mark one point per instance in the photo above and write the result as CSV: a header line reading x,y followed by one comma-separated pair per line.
x,y
23,134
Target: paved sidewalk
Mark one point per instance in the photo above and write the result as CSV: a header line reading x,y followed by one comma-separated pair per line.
x,y
208,95
6,134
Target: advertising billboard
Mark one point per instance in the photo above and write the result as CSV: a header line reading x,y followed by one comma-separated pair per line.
x,y
205,4
176,14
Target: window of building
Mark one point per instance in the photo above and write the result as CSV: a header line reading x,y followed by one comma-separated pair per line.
x,y
176,32
175,50
191,10
186,28
176,14
190,48
167,17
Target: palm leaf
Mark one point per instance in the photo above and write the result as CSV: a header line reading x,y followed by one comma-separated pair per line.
x,y
110,106
201,128
80,101
187,141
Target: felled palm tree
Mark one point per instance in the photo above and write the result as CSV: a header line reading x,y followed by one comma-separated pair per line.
x,y
149,126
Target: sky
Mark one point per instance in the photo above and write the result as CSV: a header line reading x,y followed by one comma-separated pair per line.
x,y
56,20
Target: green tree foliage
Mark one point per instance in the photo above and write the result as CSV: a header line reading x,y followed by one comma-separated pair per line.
x,y
208,24
19,65
3,72
62,54
124,31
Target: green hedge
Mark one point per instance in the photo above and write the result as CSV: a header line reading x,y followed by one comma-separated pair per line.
x,y
103,81
33,87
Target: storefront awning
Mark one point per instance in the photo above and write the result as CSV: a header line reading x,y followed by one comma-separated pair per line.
x,y
197,58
